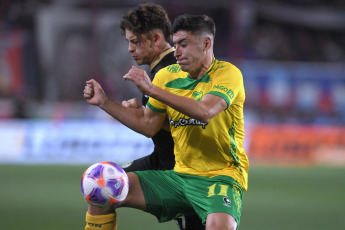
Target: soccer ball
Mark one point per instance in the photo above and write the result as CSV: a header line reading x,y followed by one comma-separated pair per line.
x,y
104,185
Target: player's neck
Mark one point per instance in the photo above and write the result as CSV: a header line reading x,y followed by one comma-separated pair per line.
x,y
161,50
205,65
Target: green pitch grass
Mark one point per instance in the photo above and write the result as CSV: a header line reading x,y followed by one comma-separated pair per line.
x,y
49,197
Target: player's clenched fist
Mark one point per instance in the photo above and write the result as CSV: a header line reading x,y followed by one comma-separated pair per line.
x,y
93,93
140,78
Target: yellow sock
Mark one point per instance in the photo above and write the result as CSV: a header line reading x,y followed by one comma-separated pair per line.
x,y
101,222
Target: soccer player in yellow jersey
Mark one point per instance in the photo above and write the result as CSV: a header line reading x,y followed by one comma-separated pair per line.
x,y
147,29
203,100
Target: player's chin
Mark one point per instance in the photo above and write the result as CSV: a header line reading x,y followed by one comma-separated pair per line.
x,y
184,67
139,61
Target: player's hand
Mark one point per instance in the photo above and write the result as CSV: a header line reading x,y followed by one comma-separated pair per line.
x,y
93,93
140,78
132,103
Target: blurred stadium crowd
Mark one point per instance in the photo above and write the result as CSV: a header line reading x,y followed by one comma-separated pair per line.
x,y
291,53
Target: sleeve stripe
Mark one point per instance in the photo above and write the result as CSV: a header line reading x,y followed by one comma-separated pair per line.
x,y
155,109
222,95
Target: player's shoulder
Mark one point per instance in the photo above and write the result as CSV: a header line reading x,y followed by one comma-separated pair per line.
x,y
171,71
225,69
224,65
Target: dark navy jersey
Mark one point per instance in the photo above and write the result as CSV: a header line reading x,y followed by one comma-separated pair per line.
x,y
167,60
162,157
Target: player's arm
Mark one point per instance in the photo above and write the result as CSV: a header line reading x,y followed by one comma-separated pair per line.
x,y
141,120
132,103
204,110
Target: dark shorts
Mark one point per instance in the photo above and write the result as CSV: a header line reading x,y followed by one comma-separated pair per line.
x,y
169,194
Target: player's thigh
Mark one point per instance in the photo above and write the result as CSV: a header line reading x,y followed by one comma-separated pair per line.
x,y
164,194
135,197
220,194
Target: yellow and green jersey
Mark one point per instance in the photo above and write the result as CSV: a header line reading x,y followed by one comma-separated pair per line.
x,y
213,148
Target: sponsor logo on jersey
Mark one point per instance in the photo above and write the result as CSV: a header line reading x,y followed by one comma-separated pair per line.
x,y
228,92
227,201
185,122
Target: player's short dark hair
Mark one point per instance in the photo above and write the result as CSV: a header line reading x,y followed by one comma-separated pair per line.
x,y
146,17
194,24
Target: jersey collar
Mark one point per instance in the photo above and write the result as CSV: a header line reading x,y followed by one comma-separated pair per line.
x,y
161,56
211,67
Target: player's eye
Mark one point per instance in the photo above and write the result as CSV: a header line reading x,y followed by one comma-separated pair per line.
x,y
134,42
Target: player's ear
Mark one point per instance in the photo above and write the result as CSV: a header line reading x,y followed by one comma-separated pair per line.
x,y
207,43
156,37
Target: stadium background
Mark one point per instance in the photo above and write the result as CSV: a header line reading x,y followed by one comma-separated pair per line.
x,y
291,54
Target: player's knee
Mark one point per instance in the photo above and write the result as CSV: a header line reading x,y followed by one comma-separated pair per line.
x,y
221,226
134,186
220,221
135,197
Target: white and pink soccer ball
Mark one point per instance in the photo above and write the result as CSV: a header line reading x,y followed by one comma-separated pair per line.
x,y
104,185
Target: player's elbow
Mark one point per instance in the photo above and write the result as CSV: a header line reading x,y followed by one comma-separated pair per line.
x,y
149,132
206,113
204,117
205,120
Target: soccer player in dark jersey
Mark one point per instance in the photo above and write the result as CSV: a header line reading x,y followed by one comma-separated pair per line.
x,y
147,30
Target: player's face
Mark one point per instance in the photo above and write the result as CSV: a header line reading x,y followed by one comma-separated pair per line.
x,y
141,48
188,51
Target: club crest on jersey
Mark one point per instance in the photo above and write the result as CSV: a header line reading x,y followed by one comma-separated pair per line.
x,y
227,201
198,95
185,122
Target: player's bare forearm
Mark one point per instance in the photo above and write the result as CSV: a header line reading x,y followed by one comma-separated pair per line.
x,y
143,121
137,119
203,111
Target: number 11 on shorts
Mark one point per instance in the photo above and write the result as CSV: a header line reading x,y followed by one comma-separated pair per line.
x,y
223,190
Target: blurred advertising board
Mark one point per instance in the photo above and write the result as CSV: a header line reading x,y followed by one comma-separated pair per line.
x,y
304,145
70,142
89,141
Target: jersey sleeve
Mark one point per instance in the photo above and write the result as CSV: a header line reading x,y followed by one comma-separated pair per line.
x,y
154,104
227,84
